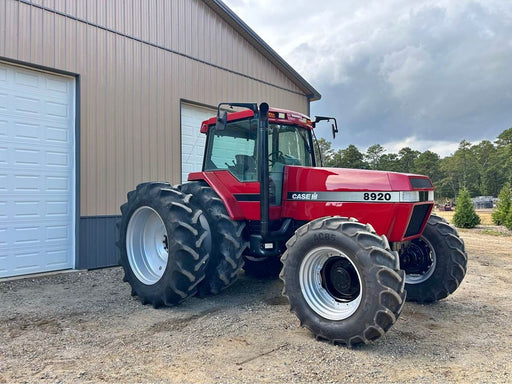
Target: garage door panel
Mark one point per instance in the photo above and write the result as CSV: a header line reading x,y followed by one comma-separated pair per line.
x,y
3,238
3,183
29,261
32,207
45,235
47,183
23,107
41,233
36,171
28,132
55,134
3,212
3,129
23,157
26,78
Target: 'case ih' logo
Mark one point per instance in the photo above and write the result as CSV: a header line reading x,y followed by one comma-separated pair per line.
x,y
304,196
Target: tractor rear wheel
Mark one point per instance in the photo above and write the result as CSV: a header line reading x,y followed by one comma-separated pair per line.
x,y
228,245
342,281
164,244
435,264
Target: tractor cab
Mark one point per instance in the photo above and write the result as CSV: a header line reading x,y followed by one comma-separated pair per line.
x,y
234,147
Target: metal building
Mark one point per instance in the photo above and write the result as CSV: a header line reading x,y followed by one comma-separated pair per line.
x,y
97,96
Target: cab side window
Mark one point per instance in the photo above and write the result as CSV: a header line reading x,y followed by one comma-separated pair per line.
x,y
233,149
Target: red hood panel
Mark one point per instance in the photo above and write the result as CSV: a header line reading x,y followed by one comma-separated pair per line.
x,y
343,179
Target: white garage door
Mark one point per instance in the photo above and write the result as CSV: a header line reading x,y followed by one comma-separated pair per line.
x,y
37,166
192,140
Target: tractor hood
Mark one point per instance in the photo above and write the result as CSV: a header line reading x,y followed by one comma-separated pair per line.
x,y
396,204
311,180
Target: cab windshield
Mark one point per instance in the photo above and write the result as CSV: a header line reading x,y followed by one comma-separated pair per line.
x,y
235,148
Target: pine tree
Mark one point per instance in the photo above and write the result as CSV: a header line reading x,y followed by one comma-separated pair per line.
x,y
508,219
504,206
465,215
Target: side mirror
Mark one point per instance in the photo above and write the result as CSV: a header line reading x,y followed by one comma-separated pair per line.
x,y
334,129
222,119
334,126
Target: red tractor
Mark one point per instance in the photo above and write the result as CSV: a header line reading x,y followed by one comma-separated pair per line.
x,y
348,243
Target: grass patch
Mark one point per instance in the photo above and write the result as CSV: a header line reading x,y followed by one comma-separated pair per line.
x,y
485,216
493,232
486,227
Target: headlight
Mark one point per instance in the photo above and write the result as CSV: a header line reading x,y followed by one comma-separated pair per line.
x,y
409,196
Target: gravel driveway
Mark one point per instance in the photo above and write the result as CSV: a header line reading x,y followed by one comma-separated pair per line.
x,y
85,327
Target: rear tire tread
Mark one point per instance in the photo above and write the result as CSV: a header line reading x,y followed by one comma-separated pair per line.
x,y
187,258
225,260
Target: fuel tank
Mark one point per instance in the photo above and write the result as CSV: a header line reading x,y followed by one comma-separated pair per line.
x,y
395,204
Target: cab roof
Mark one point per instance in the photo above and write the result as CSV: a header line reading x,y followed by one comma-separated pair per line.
x,y
275,116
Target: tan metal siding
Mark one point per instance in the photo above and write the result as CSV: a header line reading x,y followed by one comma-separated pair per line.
x,y
131,90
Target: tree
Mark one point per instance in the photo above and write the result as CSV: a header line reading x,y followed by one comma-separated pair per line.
x,y
508,220
373,155
350,157
490,168
504,138
389,162
407,157
504,149
449,185
504,206
468,167
327,154
465,215
485,155
427,163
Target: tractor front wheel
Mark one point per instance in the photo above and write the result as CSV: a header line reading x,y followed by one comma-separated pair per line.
x,y
342,281
435,264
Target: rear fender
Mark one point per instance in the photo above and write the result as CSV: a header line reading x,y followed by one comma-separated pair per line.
x,y
228,188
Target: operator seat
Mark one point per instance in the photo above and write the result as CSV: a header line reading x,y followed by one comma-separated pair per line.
x,y
247,165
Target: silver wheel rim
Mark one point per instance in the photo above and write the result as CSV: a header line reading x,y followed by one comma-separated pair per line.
x,y
317,297
415,278
146,245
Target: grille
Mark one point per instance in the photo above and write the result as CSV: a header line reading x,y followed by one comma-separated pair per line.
x,y
419,215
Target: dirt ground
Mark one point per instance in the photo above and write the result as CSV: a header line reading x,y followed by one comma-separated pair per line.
x,y
85,327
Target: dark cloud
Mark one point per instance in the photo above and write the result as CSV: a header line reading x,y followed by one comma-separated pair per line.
x,y
424,73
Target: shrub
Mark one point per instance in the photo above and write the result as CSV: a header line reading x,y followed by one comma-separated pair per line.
x,y
465,215
504,206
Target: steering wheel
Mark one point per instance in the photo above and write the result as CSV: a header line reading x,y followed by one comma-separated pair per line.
x,y
275,155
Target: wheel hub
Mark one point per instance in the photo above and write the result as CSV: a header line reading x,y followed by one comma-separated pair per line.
x,y
147,245
339,278
418,261
330,283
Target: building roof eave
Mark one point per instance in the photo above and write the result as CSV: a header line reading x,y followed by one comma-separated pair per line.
x,y
241,27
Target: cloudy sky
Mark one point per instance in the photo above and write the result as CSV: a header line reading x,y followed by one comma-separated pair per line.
x,y
423,73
